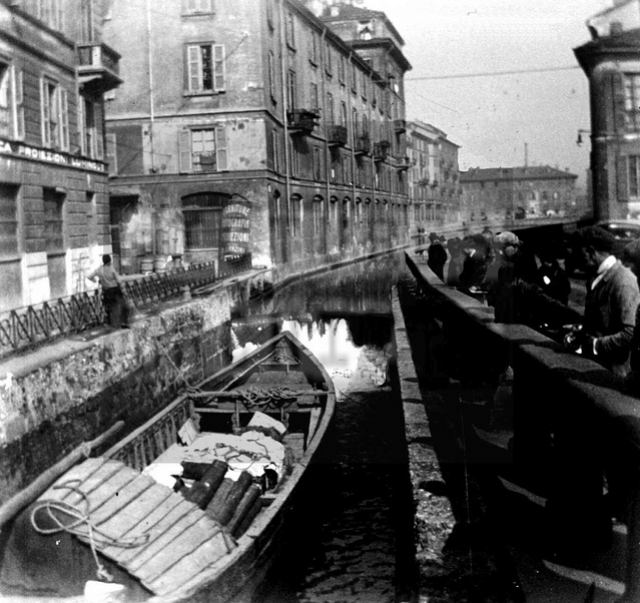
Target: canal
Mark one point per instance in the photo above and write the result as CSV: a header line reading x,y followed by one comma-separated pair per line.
x,y
351,541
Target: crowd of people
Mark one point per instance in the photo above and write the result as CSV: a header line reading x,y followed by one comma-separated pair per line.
x,y
529,286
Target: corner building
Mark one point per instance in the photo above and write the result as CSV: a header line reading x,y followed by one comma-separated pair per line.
x,y
611,62
54,211
256,126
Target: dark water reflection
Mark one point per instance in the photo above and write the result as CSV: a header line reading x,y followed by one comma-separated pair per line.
x,y
350,542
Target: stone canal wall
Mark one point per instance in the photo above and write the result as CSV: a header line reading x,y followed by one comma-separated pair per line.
x,y
55,398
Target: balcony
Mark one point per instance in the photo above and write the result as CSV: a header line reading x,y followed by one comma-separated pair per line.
x,y
337,136
302,121
404,163
400,126
98,67
362,145
381,150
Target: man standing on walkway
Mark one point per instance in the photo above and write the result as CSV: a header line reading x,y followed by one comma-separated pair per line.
x,y
112,297
611,302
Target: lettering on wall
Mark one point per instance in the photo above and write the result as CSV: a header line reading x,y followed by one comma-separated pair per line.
x,y
235,228
23,151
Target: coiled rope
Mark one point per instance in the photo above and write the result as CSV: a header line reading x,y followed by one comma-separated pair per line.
x,y
79,519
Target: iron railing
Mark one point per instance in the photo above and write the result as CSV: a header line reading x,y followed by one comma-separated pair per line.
x,y
31,326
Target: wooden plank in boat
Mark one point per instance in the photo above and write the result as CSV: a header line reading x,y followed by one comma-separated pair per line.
x,y
295,443
130,524
182,544
189,566
100,488
313,422
78,472
164,542
156,524
121,500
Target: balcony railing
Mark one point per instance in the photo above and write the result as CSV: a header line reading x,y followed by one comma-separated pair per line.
x,y
36,325
362,145
404,163
98,67
337,136
400,126
302,121
381,150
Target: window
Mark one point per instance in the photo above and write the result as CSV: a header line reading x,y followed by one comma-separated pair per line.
x,y
205,68
112,155
8,221
343,114
50,12
291,90
318,215
341,69
92,143
275,150
313,96
354,79
313,48
11,102
55,115
203,150
53,220
329,109
634,175
203,219
317,164
195,7
632,101
328,66
290,31
295,214
271,66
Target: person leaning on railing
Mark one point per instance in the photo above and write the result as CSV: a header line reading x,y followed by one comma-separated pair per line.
x,y
112,297
611,303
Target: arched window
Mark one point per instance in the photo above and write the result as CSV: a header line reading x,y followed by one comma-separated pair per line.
x,y
295,215
318,214
203,219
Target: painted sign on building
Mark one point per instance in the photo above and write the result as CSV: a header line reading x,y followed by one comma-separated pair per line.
x,y
23,151
235,227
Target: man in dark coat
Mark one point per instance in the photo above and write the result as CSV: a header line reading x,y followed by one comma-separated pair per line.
x,y
437,256
611,302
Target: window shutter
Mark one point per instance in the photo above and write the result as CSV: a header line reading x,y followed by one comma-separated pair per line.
x,y
64,120
81,125
18,103
184,151
622,178
619,110
46,113
99,125
194,67
218,67
112,156
221,149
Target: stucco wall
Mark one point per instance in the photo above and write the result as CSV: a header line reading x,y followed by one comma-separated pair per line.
x,y
54,401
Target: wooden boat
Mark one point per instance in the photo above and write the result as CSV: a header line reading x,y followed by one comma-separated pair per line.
x,y
160,542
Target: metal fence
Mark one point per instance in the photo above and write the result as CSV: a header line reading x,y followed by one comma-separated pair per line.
x,y
31,326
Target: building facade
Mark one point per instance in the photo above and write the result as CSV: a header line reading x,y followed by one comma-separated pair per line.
x,y
434,176
611,62
255,126
503,194
54,210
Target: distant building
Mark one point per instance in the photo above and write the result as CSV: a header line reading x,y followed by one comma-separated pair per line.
x,y
54,212
611,61
498,194
255,126
434,177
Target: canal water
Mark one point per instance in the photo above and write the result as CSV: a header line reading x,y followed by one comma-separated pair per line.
x,y
351,540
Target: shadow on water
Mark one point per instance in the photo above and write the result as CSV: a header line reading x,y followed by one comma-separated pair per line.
x,y
350,530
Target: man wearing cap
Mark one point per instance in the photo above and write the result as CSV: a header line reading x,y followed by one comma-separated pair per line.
x,y
611,302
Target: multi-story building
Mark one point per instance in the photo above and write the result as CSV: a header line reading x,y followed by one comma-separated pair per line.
x,y
499,194
255,126
54,212
611,61
434,177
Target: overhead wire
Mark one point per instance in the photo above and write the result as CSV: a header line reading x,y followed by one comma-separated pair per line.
x,y
489,73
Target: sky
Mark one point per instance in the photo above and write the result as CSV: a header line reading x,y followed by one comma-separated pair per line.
x,y
499,120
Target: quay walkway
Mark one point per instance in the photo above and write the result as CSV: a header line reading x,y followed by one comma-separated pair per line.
x,y
509,437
